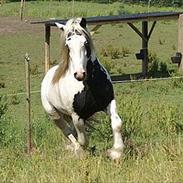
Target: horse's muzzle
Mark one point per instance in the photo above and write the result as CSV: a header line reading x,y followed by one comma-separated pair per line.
x,y
80,76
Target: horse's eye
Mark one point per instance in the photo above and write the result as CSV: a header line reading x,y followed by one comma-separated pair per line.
x,y
78,33
86,43
69,34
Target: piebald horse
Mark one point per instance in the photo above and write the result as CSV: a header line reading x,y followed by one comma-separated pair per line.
x,y
78,87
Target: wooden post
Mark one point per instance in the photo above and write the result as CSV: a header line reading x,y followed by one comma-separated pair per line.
x,y
145,48
28,99
47,48
22,9
180,39
1,2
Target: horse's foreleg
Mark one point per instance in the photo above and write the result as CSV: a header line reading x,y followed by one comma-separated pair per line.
x,y
80,129
67,131
116,124
63,126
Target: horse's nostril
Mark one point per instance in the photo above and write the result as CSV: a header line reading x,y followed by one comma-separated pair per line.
x,y
75,74
79,75
84,74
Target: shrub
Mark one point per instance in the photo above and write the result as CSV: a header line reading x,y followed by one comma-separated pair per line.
x,y
157,68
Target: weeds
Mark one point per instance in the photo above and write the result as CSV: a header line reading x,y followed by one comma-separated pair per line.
x,y
125,52
2,84
114,53
161,42
156,67
34,69
14,100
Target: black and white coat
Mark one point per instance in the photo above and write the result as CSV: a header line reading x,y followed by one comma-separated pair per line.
x,y
85,88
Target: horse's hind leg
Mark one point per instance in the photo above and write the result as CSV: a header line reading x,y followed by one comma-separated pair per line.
x,y
116,124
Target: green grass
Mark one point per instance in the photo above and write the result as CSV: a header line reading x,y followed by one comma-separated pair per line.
x,y
53,167
153,146
65,9
151,111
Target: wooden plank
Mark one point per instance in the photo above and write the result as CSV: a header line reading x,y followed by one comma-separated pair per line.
x,y
180,39
136,30
152,28
94,30
47,48
101,20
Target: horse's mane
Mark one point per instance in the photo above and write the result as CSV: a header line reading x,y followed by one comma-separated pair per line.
x,y
72,24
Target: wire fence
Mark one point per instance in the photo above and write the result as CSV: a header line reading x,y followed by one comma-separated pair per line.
x,y
113,82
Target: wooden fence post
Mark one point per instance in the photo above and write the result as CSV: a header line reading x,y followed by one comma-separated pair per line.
x,y
180,39
1,2
47,48
22,3
28,99
145,48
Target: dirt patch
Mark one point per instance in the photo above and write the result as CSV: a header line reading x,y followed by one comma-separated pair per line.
x,y
12,25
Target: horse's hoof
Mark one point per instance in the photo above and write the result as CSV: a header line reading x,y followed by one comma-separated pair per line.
x,y
70,147
80,153
114,154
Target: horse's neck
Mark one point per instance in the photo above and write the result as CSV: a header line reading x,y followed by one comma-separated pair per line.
x,y
95,72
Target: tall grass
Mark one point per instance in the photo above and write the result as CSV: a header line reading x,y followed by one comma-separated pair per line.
x,y
152,131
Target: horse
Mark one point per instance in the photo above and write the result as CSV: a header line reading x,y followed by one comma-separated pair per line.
x,y
78,87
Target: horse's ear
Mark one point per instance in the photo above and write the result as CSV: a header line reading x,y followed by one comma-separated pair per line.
x,y
83,23
60,26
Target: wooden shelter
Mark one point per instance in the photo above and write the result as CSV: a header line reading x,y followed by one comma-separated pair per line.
x,y
145,33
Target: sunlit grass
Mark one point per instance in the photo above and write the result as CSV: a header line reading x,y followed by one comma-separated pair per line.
x,y
66,9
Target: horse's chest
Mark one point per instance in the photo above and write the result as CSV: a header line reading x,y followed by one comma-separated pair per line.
x,y
95,96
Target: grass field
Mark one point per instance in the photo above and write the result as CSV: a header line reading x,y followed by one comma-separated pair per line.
x,y
151,111
65,9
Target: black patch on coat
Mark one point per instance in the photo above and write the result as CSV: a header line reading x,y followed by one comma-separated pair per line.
x,y
97,93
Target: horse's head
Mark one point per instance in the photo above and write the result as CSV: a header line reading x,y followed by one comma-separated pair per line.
x,y
78,41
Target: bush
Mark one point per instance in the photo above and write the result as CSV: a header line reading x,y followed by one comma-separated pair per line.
x,y
156,67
